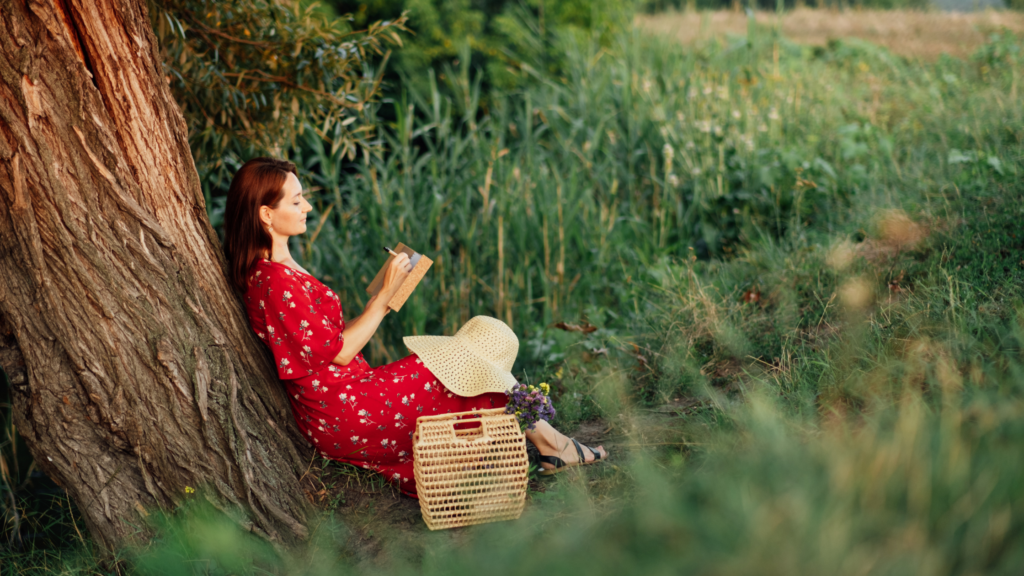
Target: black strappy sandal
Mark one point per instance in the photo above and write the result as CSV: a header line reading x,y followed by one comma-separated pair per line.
x,y
561,465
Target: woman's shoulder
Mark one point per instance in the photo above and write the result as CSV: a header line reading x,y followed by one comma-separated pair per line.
x,y
269,276
266,275
270,271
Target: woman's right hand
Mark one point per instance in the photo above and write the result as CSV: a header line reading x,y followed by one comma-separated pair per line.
x,y
395,274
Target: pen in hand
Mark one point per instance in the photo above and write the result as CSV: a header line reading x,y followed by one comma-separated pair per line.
x,y
390,251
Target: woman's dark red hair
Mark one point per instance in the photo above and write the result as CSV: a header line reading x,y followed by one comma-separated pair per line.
x,y
259,182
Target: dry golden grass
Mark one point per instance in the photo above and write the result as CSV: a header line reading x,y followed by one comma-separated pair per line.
x,y
916,34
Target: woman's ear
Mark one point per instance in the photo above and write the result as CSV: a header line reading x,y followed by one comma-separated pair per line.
x,y
266,215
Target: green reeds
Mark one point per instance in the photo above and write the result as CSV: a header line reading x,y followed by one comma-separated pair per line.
x,y
551,200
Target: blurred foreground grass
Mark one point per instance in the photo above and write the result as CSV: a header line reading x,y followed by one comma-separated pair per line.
x,y
829,382
923,485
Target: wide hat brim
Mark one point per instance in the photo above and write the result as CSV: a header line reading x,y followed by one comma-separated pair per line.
x,y
459,368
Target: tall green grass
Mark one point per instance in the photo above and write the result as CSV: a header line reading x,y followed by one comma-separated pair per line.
x,y
556,201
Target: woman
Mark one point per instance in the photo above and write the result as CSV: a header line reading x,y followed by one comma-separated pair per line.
x,y
347,410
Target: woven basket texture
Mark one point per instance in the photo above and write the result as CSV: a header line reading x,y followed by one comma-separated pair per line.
x,y
469,475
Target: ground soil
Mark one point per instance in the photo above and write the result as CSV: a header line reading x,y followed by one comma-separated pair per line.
x,y
382,526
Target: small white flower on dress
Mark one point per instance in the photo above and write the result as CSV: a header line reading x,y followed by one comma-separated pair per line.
x,y
427,387
384,442
355,439
291,305
287,295
396,476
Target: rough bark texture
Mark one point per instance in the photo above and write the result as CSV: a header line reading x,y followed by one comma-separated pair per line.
x,y
140,374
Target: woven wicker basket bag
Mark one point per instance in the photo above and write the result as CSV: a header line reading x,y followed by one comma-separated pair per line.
x,y
473,474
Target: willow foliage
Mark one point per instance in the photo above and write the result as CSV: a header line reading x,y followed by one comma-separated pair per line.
x,y
251,75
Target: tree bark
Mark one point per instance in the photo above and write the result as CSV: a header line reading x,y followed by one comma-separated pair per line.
x,y
143,376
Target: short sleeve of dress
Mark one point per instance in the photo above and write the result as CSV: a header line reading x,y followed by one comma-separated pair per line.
x,y
302,338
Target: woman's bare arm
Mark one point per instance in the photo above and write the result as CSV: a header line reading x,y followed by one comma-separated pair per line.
x,y
359,331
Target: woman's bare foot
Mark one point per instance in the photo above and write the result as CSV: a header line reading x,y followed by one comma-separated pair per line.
x,y
551,442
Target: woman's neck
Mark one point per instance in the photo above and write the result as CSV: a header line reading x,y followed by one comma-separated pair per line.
x,y
279,250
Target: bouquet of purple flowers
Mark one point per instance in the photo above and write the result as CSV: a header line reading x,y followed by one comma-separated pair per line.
x,y
529,404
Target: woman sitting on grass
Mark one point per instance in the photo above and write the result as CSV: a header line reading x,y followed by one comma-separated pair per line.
x,y
348,410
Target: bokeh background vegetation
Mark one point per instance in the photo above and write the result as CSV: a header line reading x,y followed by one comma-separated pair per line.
x,y
783,282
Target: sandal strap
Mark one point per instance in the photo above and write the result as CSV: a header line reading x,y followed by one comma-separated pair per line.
x,y
553,460
579,451
597,455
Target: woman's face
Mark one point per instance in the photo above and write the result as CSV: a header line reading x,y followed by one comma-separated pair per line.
x,y
289,218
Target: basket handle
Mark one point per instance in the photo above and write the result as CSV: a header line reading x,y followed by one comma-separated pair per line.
x,y
460,415
485,435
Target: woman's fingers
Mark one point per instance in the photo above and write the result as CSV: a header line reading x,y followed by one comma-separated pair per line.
x,y
402,263
397,272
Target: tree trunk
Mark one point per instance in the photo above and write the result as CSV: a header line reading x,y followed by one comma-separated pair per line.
x,y
143,376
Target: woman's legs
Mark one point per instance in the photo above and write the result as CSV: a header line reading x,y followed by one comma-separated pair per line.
x,y
551,442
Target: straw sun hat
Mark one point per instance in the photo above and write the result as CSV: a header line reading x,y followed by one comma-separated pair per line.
x,y
476,360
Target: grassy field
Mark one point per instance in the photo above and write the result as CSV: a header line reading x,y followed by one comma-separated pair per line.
x,y
806,274
909,33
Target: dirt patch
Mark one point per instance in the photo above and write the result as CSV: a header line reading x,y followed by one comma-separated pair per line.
x,y
915,34
383,527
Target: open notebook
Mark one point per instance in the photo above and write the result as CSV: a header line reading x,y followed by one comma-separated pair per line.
x,y
420,265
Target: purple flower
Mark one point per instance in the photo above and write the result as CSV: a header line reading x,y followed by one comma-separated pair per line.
x,y
529,404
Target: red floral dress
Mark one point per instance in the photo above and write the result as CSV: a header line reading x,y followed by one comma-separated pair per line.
x,y
354,413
